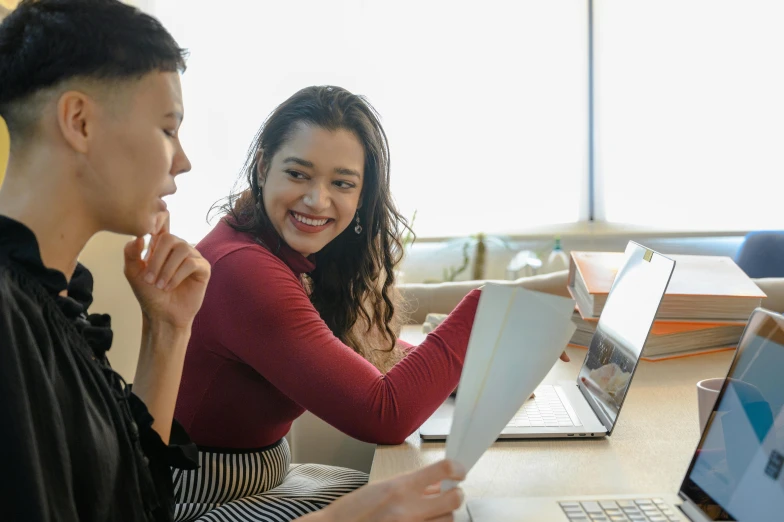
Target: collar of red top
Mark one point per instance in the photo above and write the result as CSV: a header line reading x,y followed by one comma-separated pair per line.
x,y
298,263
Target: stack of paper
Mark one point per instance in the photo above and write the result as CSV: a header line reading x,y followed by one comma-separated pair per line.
x,y
702,288
704,309
670,339
517,336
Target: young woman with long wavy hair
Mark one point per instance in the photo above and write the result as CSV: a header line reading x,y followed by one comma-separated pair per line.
x,y
301,313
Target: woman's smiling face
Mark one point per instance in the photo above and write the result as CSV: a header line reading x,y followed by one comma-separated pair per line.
x,y
311,189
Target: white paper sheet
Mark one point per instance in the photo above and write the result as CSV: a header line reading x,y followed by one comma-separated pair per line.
x,y
516,338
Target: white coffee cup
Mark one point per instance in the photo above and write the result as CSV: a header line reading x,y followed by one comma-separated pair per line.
x,y
707,392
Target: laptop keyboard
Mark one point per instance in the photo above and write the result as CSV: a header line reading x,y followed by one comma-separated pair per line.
x,y
545,409
642,510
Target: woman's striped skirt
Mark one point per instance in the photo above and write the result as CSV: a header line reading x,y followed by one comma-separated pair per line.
x,y
258,486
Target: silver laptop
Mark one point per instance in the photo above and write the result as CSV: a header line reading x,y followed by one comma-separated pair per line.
x,y
737,470
589,406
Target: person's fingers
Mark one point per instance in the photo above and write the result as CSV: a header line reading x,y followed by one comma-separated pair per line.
x,y
160,253
133,250
193,266
433,489
133,257
445,518
151,247
565,357
179,253
162,224
160,229
444,504
443,470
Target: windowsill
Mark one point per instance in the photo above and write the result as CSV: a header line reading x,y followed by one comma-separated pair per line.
x,y
600,229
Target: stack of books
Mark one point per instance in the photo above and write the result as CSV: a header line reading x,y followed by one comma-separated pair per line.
x,y
704,309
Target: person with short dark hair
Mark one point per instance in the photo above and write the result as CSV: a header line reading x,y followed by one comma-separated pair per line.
x,y
90,91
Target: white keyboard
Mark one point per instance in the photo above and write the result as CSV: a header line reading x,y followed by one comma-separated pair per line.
x,y
641,510
546,409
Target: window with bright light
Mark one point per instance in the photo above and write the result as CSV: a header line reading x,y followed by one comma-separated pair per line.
x,y
484,103
689,113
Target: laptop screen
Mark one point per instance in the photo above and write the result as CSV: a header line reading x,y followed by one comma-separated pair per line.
x,y
623,327
737,472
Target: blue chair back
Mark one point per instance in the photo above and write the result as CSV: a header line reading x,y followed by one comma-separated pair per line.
x,y
762,254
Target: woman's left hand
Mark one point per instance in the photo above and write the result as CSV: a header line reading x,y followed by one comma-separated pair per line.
x,y
170,281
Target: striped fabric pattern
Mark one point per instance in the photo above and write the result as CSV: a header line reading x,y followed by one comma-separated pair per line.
x,y
258,486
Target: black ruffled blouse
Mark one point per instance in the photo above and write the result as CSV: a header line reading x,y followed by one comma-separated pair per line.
x,y
75,443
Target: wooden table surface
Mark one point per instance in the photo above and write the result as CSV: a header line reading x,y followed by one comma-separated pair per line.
x,y
648,452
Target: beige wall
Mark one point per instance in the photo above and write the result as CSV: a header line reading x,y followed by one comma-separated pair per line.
x,y
103,255
5,144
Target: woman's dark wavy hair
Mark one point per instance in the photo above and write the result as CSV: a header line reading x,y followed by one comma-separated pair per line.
x,y
352,286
